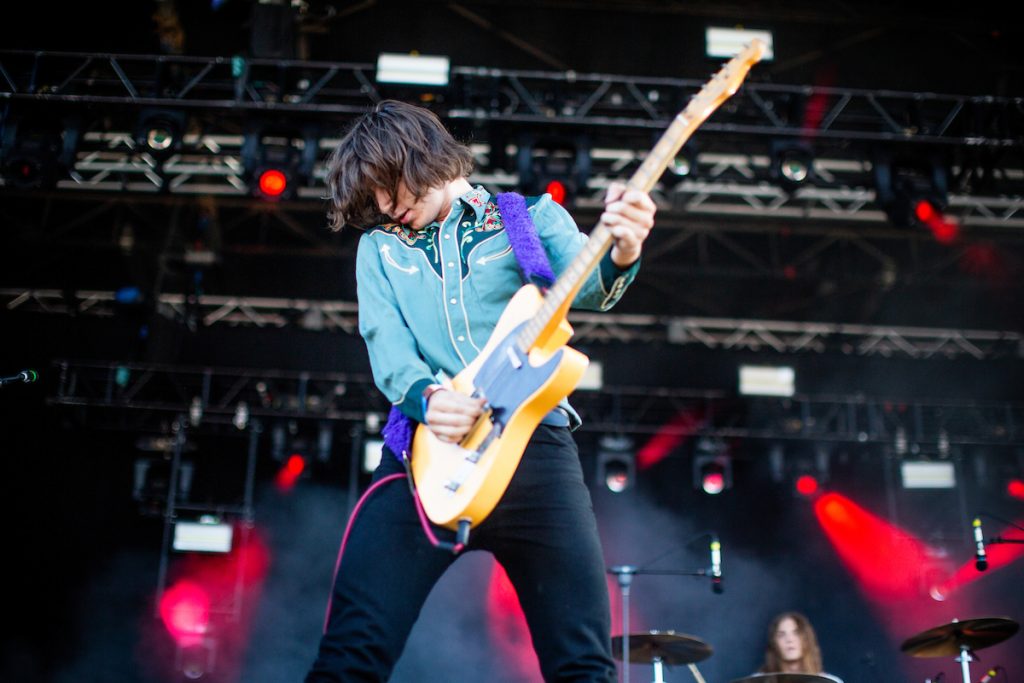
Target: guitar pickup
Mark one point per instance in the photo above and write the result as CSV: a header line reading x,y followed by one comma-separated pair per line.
x,y
513,358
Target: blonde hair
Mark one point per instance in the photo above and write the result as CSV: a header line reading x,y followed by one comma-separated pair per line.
x,y
810,658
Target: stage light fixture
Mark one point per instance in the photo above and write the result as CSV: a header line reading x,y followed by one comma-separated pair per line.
x,y
806,485
727,42
712,467
684,165
413,69
616,462
556,165
37,153
913,191
927,474
278,159
792,163
160,132
324,441
241,417
208,534
1015,489
767,380
556,188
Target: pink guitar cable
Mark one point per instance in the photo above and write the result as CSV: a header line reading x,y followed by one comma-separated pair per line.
x,y
455,548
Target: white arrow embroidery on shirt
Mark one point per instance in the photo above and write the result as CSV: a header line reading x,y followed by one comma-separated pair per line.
x,y
386,250
484,260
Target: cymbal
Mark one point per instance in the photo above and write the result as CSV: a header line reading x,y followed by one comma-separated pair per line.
x,y
946,640
670,647
785,678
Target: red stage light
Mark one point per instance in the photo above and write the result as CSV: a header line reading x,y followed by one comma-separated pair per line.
x,y
507,625
185,611
944,230
713,481
1016,489
888,561
556,189
668,437
293,468
806,485
273,183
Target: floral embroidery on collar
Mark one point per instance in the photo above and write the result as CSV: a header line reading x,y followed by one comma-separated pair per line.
x,y
407,235
477,199
491,221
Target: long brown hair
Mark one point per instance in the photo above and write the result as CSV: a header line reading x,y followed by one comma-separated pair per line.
x,y
395,142
810,660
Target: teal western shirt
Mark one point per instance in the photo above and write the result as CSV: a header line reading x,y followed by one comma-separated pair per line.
x,y
429,299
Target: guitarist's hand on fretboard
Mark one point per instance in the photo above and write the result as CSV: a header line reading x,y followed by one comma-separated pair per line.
x,y
629,216
450,414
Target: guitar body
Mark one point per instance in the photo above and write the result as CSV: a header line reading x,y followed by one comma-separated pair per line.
x,y
466,480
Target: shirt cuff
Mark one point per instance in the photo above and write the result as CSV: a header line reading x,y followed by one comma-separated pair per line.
x,y
413,405
610,270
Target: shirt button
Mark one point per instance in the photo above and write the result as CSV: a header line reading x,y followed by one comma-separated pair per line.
x,y
451,264
455,301
461,338
446,235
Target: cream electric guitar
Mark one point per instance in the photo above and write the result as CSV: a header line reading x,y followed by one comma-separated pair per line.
x,y
526,369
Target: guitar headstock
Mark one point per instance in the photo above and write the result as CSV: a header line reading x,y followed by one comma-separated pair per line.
x,y
729,78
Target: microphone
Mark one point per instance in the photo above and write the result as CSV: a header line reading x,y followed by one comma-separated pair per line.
x,y
716,565
980,557
26,376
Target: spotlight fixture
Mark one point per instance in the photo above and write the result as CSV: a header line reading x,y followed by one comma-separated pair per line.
x,y
684,165
37,153
792,163
160,132
616,462
913,191
556,165
712,467
277,160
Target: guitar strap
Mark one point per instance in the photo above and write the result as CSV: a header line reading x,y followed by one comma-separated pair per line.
x,y
535,268
522,235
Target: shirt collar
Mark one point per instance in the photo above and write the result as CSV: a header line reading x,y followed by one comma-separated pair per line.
x,y
476,199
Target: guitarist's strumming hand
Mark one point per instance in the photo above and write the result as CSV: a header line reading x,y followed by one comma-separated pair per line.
x,y
629,216
450,414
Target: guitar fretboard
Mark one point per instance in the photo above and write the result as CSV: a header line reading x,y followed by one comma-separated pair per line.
x,y
717,90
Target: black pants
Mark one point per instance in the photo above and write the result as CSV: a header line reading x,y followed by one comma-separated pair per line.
x,y
544,534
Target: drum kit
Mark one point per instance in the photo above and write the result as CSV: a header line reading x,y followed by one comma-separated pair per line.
x,y
958,639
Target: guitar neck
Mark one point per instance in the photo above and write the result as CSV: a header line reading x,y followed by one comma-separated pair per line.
x,y
559,297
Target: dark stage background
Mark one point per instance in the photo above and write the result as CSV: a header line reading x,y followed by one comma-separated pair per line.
x,y
870,562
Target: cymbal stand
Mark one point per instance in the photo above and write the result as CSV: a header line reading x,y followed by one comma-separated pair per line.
x,y
965,660
624,576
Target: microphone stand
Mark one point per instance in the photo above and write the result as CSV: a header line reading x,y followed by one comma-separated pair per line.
x,y
624,576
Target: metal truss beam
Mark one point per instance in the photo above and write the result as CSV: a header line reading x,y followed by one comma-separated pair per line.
x,y
931,425
514,97
722,185
711,333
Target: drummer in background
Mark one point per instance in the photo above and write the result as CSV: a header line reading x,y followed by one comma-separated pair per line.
x,y
793,647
